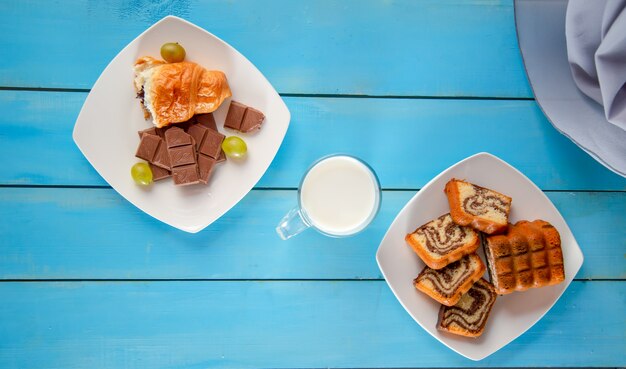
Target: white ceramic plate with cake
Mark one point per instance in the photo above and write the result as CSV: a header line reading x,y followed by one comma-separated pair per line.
x,y
512,314
106,129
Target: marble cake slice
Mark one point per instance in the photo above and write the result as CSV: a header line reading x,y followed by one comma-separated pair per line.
x,y
446,285
483,209
441,241
469,315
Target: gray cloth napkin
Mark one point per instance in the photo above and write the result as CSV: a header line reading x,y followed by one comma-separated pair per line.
x,y
595,31
541,34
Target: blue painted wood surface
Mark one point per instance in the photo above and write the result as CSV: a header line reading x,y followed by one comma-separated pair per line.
x,y
233,296
96,234
285,324
423,48
407,141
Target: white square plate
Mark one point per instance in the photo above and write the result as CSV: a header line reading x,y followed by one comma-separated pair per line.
x,y
512,314
106,128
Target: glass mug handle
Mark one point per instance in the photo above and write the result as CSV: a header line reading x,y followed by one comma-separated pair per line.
x,y
293,223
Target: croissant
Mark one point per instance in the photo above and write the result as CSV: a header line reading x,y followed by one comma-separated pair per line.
x,y
175,92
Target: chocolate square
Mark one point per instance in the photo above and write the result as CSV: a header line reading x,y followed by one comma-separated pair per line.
x,y
235,115
252,120
162,157
212,144
150,131
159,173
207,120
147,147
197,131
185,175
182,155
175,136
222,157
205,167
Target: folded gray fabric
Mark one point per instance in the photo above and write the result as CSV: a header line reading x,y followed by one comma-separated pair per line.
x,y
596,48
541,34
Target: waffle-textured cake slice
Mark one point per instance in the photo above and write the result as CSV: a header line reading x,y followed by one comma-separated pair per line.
x,y
481,208
441,241
469,316
447,284
529,255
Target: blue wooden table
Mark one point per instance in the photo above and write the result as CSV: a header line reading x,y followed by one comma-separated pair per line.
x,y
88,281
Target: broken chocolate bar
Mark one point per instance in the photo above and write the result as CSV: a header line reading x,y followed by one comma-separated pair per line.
x,y
175,136
212,144
186,151
154,131
162,157
185,175
243,118
186,124
159,173
148,147
197,131
252,120
152,149
205,168
235,114
182,155
207,120
150,131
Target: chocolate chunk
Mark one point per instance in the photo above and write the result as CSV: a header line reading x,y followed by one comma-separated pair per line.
x,y
212,144
150,131
162,156
175,136
161,131
159,173
197,131
185,175
252,120
148,147
236,112
205,167
182,155
243,118
207,120
186,124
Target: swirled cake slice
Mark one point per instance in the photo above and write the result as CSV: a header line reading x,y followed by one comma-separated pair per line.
x,y
529,255
481,208
447,284
441,241
469,316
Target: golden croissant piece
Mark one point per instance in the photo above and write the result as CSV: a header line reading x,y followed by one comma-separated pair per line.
x,y
175,92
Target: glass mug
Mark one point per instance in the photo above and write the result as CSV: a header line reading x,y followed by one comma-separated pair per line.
x,y
339,196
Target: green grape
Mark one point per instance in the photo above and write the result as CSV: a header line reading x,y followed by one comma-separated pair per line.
x,y
172,52
234,147
141,173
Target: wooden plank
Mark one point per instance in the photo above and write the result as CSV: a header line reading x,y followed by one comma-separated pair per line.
x,y
276,325
407,141
373,47
94,234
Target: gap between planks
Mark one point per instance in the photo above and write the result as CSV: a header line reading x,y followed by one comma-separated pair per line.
x,y
329,96
132,280
72,187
